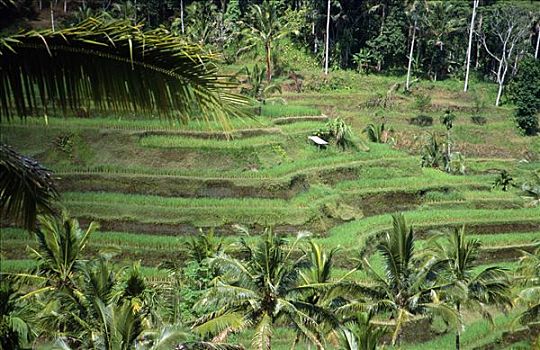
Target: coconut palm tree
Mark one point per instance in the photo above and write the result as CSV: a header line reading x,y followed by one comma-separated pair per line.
x,y
15,326
407,287
26,188
432,153
61,243
111,66
465,286
528,274
263,29
447,119
260,292
256,87
416,14
362,334
322,290
531,189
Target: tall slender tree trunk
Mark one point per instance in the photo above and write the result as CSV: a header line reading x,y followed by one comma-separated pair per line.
x,y
65,6
327,38
383,18
537,41
501,74
448,148
516,62
499,94
182,15
458,332
315,43
469,49
52,16
477,64
409,66
268,49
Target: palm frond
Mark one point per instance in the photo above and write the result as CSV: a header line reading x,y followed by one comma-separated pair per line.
x,y
114,67
263,333
227,320
26,188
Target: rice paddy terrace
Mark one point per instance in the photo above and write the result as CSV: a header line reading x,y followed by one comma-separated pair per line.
x,y
151,184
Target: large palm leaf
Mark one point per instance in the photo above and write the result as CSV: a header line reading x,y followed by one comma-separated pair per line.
x,y
26,188
528,274
113,67
463,286
259,292
408,287
15,328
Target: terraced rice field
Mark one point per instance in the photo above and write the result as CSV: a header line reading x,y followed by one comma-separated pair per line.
x,y
152,184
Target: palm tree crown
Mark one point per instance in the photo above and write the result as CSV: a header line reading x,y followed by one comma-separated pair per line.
x,y
408,286
259,292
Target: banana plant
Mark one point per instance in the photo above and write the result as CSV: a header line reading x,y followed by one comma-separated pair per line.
x,y
256,86
531,190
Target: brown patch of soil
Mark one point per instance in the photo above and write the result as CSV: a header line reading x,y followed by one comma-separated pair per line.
x,y
181,229
389,202
485,228
509,253
529,333
173,186
291,120
413,331
483,150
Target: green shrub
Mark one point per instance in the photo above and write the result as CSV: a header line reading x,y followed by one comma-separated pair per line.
x,y
422,102
524,91
292,58
527,122
421,120
337,80
338,131
377,133
432,153
479,120
503,181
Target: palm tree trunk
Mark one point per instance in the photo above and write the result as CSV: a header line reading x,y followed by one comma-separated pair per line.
x,y
458,332
327,39
469,49
410,58
448,151
268,61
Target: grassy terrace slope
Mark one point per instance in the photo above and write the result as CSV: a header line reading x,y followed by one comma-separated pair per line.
x,y
150,183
